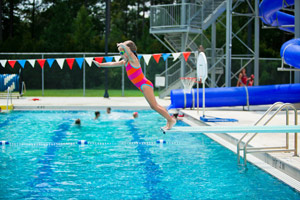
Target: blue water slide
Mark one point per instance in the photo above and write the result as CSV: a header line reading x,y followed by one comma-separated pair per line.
x,y
236,96
269,11
290,52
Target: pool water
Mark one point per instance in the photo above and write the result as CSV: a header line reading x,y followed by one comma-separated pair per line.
x,y
121,160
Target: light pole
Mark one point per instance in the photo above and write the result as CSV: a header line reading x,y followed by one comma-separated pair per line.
x,y
107,27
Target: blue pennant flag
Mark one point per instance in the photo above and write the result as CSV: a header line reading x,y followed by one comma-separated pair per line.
x,y
139,57
50,61
108,59
22,63
165,56
79,61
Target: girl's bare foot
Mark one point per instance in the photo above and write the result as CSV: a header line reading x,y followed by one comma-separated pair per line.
x,y
170,124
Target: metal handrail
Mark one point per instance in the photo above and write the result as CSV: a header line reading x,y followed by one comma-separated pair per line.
x,y
170,68
9,95
259,120
173,15
283,105
287,105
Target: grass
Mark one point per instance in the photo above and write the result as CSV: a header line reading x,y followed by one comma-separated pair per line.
x,y
88,93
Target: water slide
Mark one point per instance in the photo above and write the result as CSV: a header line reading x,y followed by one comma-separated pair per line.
x,y
236,96
269,11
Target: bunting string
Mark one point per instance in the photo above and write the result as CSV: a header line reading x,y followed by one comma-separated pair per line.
x,y
70,61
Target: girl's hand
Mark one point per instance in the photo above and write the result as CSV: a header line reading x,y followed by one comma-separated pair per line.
x,y
96,63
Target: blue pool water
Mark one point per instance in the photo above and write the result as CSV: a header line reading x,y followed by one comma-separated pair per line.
x,y
121,161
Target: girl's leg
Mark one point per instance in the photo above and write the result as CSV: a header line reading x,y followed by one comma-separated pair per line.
x,y
149,95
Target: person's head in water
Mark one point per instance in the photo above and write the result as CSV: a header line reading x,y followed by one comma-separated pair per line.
x,y
77,122
135,115
97,114
108,110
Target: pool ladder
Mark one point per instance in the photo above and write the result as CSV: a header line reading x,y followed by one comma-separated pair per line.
x,y
9,97
247,149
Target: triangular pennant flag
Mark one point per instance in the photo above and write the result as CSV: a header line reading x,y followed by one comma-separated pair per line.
x,y
3,62
175,56
60,62
12,63
186,55
139,57
156,57
50,61
165,56
147,58
41,62
31,62
70,62
117,58
89,61
108,59
79,61
99,59
22,63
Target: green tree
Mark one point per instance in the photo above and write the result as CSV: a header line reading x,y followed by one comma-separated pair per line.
x,y
83,31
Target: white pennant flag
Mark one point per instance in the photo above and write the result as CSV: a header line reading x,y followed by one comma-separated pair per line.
x,y
147,58
175,56
31,62
60,62
3,62
89,61
117,58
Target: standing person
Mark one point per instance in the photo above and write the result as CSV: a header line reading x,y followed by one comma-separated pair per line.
x,y
201,49
242,78
131,62
251,80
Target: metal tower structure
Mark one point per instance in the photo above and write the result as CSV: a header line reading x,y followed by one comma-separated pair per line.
x,y
185,25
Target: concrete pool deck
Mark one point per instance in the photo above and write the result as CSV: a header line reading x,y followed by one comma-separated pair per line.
x,y
284,166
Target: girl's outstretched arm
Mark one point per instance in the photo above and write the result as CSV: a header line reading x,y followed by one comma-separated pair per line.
x,y
110,64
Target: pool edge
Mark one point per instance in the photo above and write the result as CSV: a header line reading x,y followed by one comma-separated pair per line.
x,y
260,160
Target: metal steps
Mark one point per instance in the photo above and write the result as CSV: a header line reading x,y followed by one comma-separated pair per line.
x,y
181,24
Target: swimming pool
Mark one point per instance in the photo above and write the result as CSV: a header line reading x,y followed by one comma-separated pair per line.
x,y
121,160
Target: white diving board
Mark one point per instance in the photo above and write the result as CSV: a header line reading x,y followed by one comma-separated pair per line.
x,y
235,129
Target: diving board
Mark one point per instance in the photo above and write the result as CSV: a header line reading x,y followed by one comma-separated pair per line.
x,y
235,129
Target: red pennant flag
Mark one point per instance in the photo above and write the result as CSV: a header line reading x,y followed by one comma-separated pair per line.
x,y
41,62
70,62
99,59
12,63
186,55
156,57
